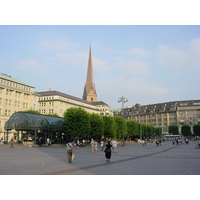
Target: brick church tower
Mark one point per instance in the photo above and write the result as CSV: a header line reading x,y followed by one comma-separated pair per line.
x,y
89,93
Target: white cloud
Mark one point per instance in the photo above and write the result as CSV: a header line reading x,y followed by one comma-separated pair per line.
x,y
80,58
139,51
136,90
100,66
180,58
135,68
57,44
30,65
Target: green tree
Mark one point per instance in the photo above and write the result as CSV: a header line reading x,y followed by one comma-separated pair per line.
x,y
157,131
53,115
97,126
173,129
77,122
133,129
186,130
109,127
196,129
118,126
33,111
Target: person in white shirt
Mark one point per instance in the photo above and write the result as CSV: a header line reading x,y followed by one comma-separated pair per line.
x,y
69,146
114,144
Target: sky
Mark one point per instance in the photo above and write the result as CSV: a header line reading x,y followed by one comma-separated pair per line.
x,y
147,64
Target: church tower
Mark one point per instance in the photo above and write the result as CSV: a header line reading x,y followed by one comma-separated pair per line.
x,y
89,93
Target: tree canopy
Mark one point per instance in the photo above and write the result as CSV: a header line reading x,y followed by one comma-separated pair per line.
x,y
80,124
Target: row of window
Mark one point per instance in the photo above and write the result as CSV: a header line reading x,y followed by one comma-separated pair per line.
x,y
50,111
16,85
46,98
45,104
17,94
6,112
8,102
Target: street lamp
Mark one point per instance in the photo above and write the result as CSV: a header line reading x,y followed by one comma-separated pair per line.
x,y
123,100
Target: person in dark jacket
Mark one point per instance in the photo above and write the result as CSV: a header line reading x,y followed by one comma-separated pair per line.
x,y
108,151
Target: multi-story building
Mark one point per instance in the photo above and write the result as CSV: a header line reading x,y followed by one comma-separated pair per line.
x,y
164,114
15,96
51,102
104,109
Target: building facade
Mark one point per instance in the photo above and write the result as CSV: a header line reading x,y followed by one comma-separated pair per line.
x,y
51,102
164,114
15,96
103,108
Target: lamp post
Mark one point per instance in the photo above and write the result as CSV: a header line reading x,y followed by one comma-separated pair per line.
x,y
123,100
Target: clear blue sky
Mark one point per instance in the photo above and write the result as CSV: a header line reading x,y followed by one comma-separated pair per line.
x,y
146,64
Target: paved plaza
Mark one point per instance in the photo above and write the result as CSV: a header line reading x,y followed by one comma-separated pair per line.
x,y
131,159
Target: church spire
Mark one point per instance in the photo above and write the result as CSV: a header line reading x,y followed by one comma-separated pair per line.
x,y
89,93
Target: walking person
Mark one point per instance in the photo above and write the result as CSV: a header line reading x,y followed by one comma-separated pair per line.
x,y
199,144
157,142
114,144
108,151
102,145
2,141
69,146
11,143
95,146
92,145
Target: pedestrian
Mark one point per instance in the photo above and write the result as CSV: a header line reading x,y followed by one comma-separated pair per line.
x,y
173,141
186,141
11,143
84,143
2,141
102,145
77,143
108,151
47,142
157,142
95,146
69,146
177,141
114,144
92,145
199,144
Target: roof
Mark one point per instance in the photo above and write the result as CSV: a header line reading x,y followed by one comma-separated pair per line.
x,y
24,121
99,103
9,78
53,93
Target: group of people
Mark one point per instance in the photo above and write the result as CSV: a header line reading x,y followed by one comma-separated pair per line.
x,y
109,146
179,141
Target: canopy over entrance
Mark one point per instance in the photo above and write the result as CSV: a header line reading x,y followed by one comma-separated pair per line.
x,y
24,121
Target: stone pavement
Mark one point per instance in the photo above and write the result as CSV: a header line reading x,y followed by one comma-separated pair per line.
x,y
131,159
